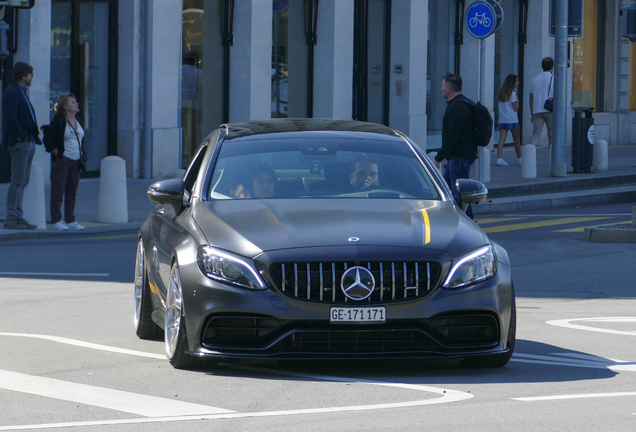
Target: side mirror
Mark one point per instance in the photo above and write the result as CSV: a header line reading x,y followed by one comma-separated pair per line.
x,y
470,192
166,191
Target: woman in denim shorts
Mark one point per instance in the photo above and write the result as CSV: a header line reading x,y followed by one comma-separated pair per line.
x,y
508,120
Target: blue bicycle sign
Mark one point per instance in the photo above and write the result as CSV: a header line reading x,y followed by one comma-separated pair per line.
x,y
480,20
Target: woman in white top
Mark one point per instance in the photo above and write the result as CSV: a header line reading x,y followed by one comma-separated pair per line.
x,y
63,139
508,120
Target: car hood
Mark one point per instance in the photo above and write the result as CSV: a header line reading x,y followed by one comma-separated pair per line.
x,y
249,227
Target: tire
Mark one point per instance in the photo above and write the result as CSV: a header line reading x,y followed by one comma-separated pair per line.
x,y
175,337
144,325
496,360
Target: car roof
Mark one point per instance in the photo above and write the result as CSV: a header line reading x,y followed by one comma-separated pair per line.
x,y
307,128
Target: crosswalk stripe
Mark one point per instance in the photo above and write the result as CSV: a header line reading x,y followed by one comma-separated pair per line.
x,y
539,224
582,229
485,221
133,403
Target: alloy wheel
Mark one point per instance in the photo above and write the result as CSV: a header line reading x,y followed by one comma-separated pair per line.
x,y
173,312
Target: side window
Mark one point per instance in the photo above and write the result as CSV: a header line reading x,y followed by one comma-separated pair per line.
x,y
193,170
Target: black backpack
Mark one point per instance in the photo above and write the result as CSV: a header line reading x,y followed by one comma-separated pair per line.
x,y
483,123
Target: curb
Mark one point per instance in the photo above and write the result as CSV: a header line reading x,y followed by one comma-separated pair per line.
x,y
22,235
507,205
568,185
610,234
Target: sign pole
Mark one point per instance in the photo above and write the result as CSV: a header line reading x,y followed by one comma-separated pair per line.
x,y
484,152
559,118
482,19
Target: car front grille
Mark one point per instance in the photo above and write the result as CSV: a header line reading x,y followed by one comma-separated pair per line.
x,y
394,281
465,329
360,341
240,331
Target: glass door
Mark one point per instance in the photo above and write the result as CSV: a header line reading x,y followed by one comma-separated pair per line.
x,y
82,64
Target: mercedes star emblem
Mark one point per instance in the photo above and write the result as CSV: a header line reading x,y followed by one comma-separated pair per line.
x,y
358,283
354,239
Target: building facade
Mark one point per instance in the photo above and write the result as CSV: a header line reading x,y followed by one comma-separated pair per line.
x,y
155,77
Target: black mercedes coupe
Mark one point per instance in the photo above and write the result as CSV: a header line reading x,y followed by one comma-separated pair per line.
x,y
319,239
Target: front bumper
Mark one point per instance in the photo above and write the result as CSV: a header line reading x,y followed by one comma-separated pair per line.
x,y
224,321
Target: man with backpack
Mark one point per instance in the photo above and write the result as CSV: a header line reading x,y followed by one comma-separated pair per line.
x,y
458,128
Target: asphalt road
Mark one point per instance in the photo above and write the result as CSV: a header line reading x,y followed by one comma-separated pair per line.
x,y
69,358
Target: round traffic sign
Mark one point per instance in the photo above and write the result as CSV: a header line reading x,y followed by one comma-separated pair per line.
x,y
480,20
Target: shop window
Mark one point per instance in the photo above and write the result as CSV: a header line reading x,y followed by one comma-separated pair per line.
x,y
585,66
441,59
507,59
632,76
290,58
202,72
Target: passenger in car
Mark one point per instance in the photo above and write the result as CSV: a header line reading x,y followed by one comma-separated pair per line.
x,y
260,182
364,173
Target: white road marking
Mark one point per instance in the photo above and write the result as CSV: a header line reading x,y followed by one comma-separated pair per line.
x,y
574,396
447,395
83,344
54,274
567,323
576,360
133,403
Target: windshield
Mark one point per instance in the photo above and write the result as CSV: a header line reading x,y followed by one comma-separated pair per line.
x,y
334,168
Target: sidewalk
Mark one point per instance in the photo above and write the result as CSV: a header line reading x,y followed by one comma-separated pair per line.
x,y
508,192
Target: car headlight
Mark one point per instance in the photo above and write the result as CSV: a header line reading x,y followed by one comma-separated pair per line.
x,y
228,268
475,267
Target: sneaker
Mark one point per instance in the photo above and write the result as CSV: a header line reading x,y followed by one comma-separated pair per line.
x,y
75,226
501,162
27,224
520,160
14,225
60,226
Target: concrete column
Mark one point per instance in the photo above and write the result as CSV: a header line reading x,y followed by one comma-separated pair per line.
x,y
129,85
333,60
166,86
34,48
539,46
251,61
408,31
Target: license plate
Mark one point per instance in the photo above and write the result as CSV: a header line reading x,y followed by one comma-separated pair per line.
x,y
361,314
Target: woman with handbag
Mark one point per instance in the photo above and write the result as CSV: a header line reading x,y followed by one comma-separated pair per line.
x,y
63,139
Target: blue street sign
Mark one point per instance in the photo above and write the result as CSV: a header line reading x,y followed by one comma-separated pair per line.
x,y
480,20
280,5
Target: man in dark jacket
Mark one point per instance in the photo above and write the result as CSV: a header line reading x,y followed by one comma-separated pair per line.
x,y
20,135
458,147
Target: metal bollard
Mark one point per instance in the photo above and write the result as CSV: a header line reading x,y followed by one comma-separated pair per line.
x,y
601,158
112,206
34,204
529,164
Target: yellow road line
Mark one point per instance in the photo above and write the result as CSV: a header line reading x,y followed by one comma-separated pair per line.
x,y
495,220
539,224
582,229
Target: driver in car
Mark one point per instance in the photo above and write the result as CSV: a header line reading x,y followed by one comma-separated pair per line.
x,y
364,173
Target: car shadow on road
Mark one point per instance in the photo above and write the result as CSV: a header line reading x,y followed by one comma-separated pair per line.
x,y
533,362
